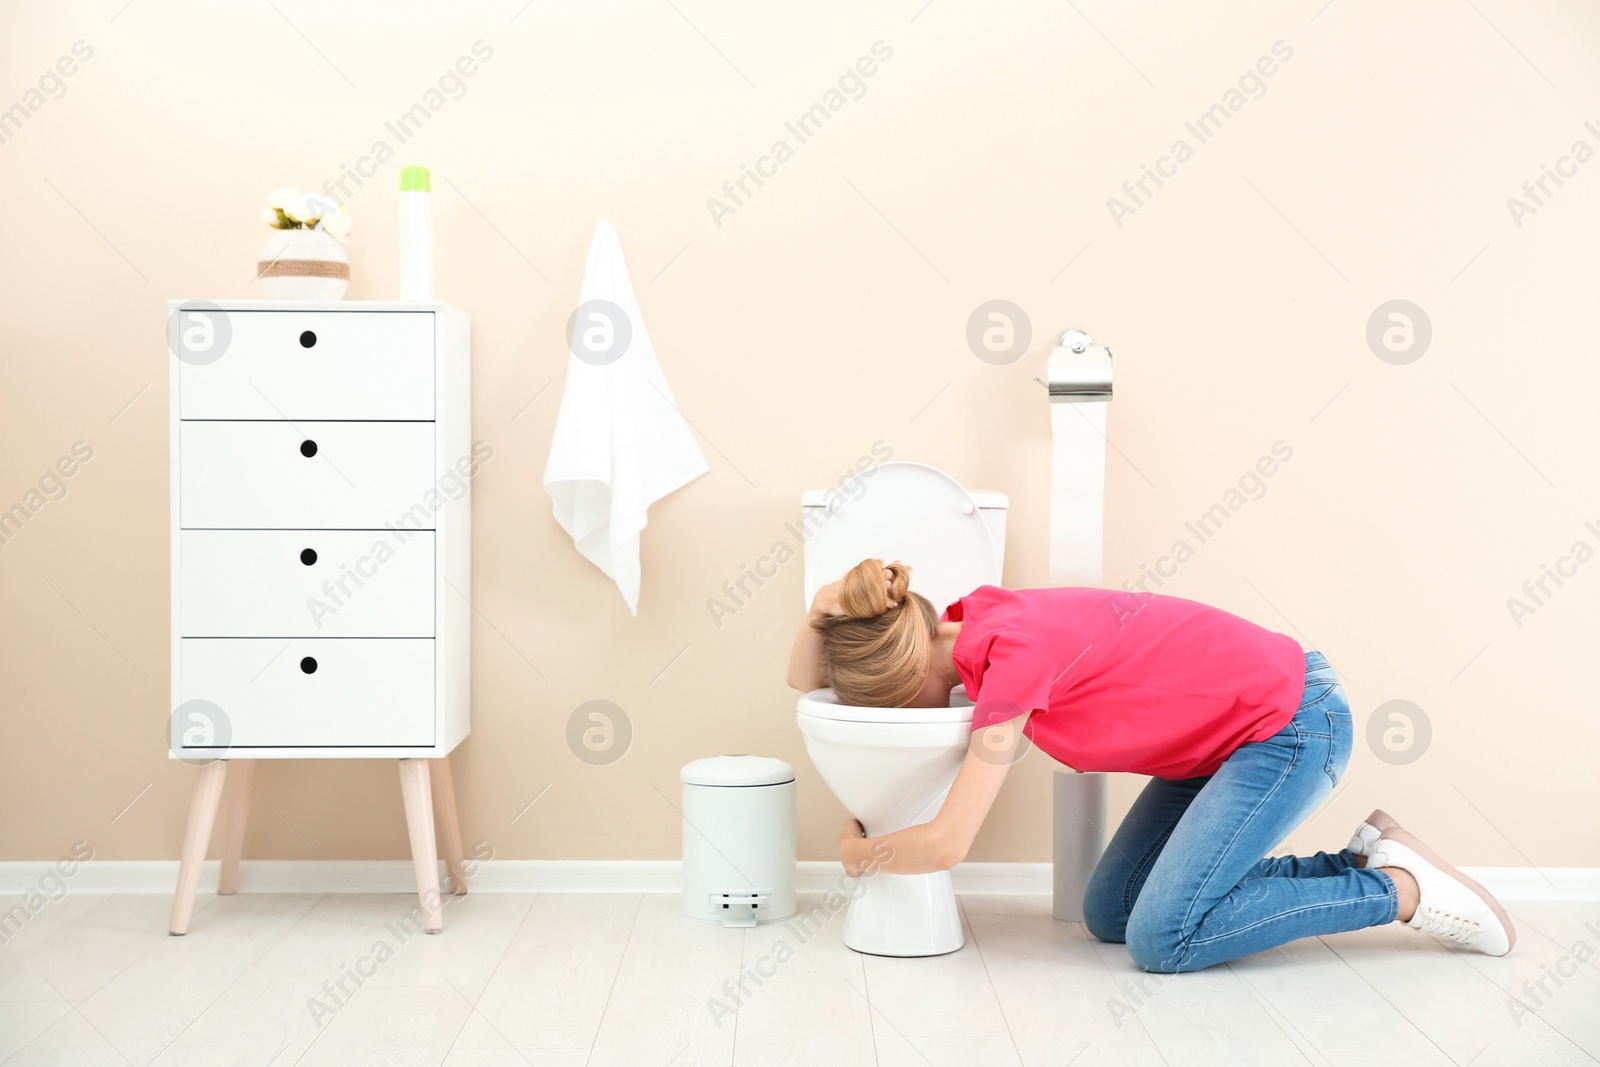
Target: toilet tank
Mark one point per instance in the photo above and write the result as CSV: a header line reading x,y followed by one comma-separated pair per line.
x,y
992,506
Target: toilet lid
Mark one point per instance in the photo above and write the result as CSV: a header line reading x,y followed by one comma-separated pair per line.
x,y
909,512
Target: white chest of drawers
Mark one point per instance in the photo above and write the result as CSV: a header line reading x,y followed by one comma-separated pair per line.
x,y
321,557
321,528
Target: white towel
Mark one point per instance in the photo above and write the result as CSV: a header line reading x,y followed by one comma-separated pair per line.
x,y
620,442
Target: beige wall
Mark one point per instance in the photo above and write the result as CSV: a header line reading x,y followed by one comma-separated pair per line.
x,y
824,315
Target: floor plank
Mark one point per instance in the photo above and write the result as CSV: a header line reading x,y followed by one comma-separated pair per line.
x,y
273,1013
1059,999
75,959
547,1057
1328,1009
23,1020
145,1007
390,1025
665,1006
551,988
937,1010
560,980
1200,1017
21,929
813,977
70,1040
1553,974
1444,992
481,928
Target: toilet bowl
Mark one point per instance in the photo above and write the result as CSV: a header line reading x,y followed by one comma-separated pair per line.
x,y
891,773
892,767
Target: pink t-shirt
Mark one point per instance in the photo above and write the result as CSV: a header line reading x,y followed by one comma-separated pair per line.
x,y
1123,681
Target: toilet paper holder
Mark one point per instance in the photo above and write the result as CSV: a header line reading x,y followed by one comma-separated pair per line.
x,y
1078,370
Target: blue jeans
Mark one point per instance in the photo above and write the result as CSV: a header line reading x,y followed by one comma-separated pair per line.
x,y
1183,881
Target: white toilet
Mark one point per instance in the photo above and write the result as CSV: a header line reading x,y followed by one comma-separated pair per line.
x,y
891,767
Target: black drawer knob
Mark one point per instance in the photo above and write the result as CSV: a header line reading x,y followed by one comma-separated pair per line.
x,y
308,339
308,665
308,448
308,556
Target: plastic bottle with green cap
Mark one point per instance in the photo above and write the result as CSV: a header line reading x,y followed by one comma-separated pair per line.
x,y
416,234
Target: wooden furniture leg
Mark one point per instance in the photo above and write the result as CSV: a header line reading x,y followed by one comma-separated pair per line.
x,y
448,824
235,809
414,790
202,816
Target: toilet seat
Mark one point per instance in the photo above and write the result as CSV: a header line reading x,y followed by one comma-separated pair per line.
x,y
880,738
822,704
913,513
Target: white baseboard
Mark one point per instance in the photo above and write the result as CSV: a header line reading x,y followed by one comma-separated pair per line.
x,y
18,878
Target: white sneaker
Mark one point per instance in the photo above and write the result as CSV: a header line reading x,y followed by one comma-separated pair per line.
x,y
1452,905
1367,833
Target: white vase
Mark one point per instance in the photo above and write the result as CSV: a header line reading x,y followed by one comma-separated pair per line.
x,y
303,265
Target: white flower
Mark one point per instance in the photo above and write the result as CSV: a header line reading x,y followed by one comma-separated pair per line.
x,y
269,215
336,223
319,206
281,197
301,208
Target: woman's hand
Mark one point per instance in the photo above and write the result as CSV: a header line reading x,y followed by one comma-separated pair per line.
x,y
851,854
826,603
807,671
942,843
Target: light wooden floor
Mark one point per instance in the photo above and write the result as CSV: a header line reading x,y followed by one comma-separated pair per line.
x,y
566,980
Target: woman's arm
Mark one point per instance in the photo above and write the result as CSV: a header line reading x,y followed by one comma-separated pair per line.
x,y
806,669
941,844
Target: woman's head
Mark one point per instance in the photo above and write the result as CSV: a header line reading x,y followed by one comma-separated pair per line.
x,y
878,650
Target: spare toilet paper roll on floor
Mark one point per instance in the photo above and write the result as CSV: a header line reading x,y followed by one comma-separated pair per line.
x,y
1077,491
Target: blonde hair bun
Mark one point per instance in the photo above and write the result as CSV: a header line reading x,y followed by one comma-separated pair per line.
x,y
872,588
878,650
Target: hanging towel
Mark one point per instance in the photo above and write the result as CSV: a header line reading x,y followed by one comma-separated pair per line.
x,y
620,442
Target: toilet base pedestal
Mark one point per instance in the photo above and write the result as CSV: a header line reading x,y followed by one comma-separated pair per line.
x,y
905,915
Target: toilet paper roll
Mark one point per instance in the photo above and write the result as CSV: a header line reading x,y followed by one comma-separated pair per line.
x,y
1077,491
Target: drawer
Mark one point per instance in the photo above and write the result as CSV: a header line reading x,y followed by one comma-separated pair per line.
x,y
315,365
359,475
369,692
305,583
